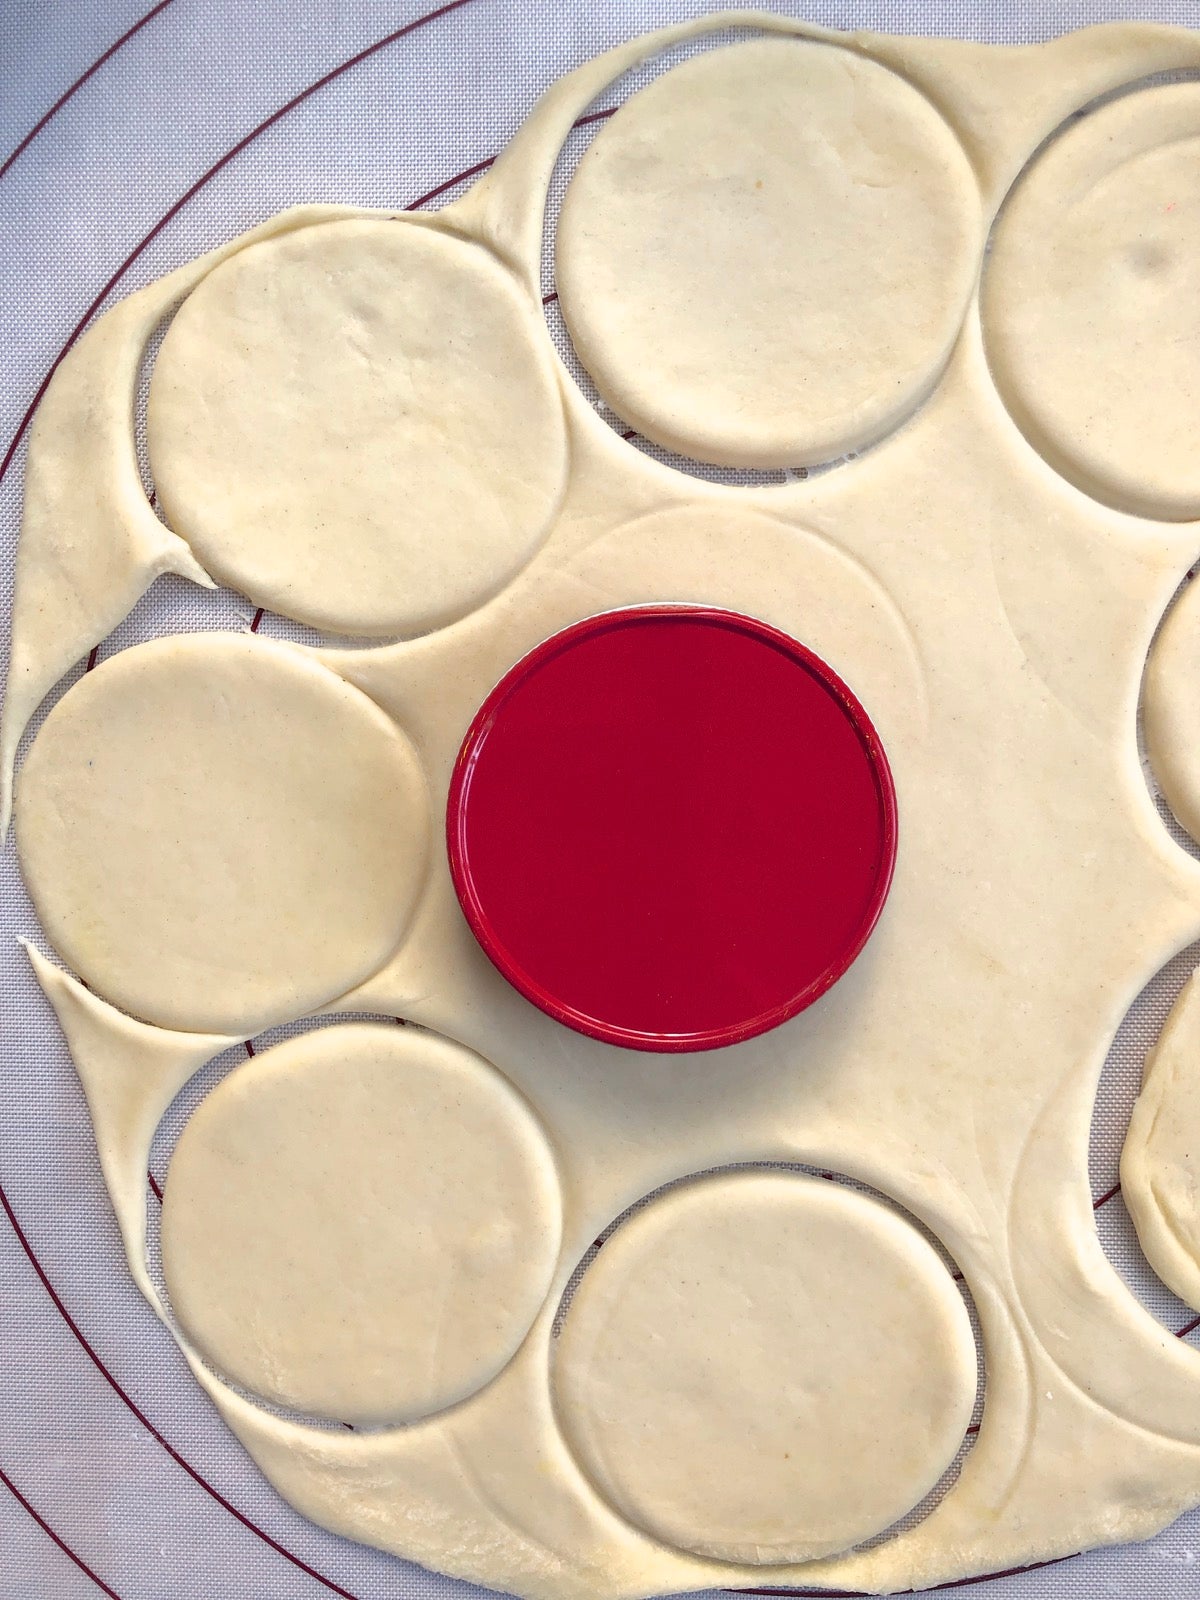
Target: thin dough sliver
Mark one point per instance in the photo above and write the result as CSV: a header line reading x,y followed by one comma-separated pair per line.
x,y
1160,1161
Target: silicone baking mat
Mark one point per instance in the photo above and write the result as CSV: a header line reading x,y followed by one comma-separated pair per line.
x,y
131,140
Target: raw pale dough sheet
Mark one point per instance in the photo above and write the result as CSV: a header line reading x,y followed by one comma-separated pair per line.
x,y
994,619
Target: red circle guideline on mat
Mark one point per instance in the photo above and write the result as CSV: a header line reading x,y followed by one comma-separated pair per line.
x,y
671,827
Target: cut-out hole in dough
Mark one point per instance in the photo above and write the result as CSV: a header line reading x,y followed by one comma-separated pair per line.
x,y
1093,333
764,1367
820,177
358,425
218,834
361,1224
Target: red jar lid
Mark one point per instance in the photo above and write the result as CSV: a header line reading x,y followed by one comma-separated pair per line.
x,y
671,827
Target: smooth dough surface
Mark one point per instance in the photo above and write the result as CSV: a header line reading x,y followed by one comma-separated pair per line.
x,y
764,257
765,1367
1160,1161
357,425
361,1223
1171,708
1088,303
218,835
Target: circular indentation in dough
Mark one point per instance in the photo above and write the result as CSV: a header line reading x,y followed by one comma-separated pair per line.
x,y
672,827
361,1223
764,258
1090,315
765,1367
1171,709
358,425
219,834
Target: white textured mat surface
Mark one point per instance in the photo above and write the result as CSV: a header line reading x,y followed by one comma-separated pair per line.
x,y
115,1475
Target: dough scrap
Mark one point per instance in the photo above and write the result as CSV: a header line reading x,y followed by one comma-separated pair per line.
x,y
1088,307
358,425
219,835
1171,709
815,175
130,1073
361,1224
765,1367
1160,1160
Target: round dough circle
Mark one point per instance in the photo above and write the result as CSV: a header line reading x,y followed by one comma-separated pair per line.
x,y
218,834
358,424
361,1223
1090,316
765,1367
817,177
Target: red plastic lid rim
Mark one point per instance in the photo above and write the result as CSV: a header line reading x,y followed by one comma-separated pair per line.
x,y
458,825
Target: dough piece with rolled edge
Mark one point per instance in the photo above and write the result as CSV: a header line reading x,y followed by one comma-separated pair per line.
x,y
1160,1160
